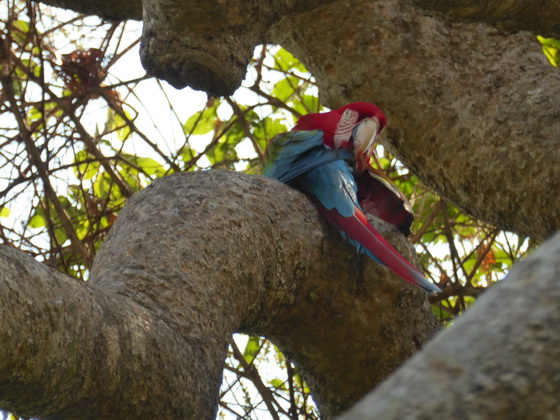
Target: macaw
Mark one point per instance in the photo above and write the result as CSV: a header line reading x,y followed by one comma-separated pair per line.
x,y
326,155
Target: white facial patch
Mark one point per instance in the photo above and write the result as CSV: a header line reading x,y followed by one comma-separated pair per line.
x,y
365,135
344,127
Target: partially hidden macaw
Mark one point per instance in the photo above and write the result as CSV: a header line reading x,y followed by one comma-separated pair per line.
x,y
326,155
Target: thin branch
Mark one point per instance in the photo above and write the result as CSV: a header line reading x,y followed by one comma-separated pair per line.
x,y
254,376
241,118
35,157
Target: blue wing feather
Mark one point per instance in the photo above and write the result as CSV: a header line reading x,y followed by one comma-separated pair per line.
x,y
301,159
334,186
294,153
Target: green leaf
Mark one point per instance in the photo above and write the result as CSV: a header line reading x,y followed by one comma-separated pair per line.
x,y
82,228
38,220
278,384
130,176
267,129
186,153
306,104
285,61
103,186
551,49
89,168
251,349
22,29
115,122
37,69
150,166
34,115
202,122
60,235
21,25
285,88
4,211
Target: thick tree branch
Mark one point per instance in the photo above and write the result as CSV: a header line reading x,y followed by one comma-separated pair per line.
x,y
541,17
496,362
513,16
111,10
208,45
192,259
473,111
73,351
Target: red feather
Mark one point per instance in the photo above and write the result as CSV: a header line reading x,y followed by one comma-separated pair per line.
x,y
379,197
359,229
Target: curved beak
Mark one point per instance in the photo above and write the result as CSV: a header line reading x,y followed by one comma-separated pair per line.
x,y
365,134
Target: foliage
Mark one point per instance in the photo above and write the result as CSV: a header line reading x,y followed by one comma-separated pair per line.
x,y
551,49
78,137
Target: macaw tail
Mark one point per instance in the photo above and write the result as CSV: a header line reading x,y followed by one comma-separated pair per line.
x,y
363,236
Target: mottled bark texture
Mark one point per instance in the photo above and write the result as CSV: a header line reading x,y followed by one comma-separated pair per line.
x,y
472,111
108,9
208,45
541,16
501,360
192,259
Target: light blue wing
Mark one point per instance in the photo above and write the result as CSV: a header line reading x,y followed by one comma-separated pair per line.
x,y
334,186
294,153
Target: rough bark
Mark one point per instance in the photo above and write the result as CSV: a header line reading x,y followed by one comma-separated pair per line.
x,y
501,360
112,10
208,45
73,351
192,259
540,17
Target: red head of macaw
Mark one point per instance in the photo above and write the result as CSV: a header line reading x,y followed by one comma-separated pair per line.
x,y
354,127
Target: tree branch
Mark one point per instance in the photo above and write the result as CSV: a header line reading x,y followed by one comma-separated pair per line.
x,y
512,16
496,361
147,335
473,111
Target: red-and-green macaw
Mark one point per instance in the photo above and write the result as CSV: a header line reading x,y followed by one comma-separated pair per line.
x,y
326,155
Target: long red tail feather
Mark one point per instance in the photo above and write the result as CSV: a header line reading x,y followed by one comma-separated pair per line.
x,y
359,229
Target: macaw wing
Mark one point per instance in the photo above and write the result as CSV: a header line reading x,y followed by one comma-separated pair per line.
x,y
379,197
294,153
333,186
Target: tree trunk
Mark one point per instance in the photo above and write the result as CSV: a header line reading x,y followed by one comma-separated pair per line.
x,y
501,360
192,259
473,111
